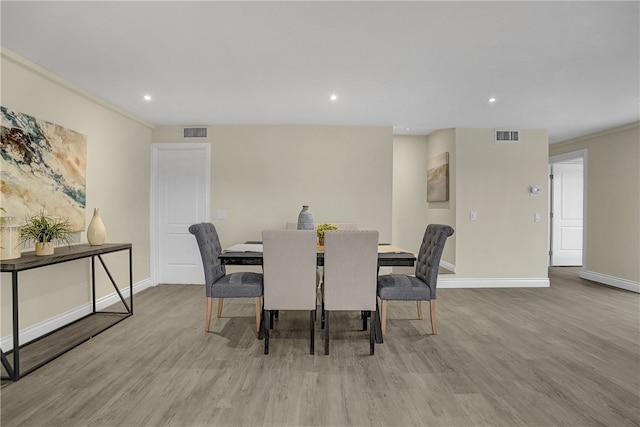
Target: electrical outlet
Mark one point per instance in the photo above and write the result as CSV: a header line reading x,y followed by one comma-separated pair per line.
x,y
473,215
537,217
221,214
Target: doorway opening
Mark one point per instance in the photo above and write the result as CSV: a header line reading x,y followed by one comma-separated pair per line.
x,y
567,203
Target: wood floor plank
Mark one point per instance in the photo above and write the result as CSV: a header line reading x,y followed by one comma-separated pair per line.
x,y
565,355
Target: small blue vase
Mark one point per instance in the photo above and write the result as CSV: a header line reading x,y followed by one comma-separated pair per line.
x,y
305,219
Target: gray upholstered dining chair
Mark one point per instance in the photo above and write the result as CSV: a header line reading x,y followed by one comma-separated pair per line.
x,y
218,283
289,267
350,271
422,286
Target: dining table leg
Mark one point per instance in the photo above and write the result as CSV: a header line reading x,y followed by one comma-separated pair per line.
x,y
261,329
266,332
375,323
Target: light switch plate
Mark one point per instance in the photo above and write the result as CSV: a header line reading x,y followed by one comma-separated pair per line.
x,y
221,214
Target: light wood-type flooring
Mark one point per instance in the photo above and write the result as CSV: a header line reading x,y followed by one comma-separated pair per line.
x,y
568,355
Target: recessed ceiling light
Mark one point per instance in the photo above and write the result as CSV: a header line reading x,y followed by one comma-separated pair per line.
x,y
333,97
492,100
147,97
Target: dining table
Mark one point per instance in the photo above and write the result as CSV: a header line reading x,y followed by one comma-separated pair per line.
x,y
250,253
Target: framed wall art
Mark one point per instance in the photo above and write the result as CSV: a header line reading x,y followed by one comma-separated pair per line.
x,y
43,166
438,178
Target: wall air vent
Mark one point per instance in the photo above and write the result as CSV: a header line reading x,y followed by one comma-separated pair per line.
x,y
507,135
194,132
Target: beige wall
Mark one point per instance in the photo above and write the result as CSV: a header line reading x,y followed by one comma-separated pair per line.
x,y
262,175
493,179
411,212
118,162
612,197
489,178
442,141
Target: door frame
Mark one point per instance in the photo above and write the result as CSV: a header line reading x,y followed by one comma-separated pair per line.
x,y
155,149
572,155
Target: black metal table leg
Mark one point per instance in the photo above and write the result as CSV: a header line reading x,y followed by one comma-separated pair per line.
x,y
131,281
16,328
266,316
7,366
372,333
312,331
375,323
326,332
262,322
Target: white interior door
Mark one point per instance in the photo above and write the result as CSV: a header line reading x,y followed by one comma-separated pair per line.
x,y
181,195
567,221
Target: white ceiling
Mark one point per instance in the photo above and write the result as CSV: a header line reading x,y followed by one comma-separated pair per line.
x,y
570,67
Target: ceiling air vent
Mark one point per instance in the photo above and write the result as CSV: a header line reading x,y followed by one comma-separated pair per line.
x,y
194,132
507,135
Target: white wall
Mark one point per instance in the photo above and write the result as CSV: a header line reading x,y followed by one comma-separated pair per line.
x,y
118,162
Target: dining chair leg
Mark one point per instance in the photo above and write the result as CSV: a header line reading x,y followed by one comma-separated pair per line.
x,y
312,331
372,338
272,315
220,301
383,317
432,313
326,331
258,311
322,313
266,331
207,318
419,306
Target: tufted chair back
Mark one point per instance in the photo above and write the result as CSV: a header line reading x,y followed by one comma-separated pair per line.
x,y
428,261
209,245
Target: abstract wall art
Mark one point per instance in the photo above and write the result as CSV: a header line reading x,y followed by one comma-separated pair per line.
x,y
438,178
43,166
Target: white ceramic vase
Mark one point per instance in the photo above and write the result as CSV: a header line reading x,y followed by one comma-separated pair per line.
x,y
96,233
10,245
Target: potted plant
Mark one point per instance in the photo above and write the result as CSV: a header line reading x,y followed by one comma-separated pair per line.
x,y
321,229
45,231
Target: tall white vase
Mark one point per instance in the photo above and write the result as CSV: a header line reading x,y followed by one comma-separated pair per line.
x,y
96,233
10,245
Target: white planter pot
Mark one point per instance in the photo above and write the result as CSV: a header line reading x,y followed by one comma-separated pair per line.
x,y
45,248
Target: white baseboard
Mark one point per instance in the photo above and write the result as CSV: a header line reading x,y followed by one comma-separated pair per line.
x,y
43,328
452,282
629,285
448,266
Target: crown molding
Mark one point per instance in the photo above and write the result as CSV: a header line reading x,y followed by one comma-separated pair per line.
x,y
34,68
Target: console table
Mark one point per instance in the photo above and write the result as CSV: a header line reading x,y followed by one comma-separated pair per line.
x,y
29,261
